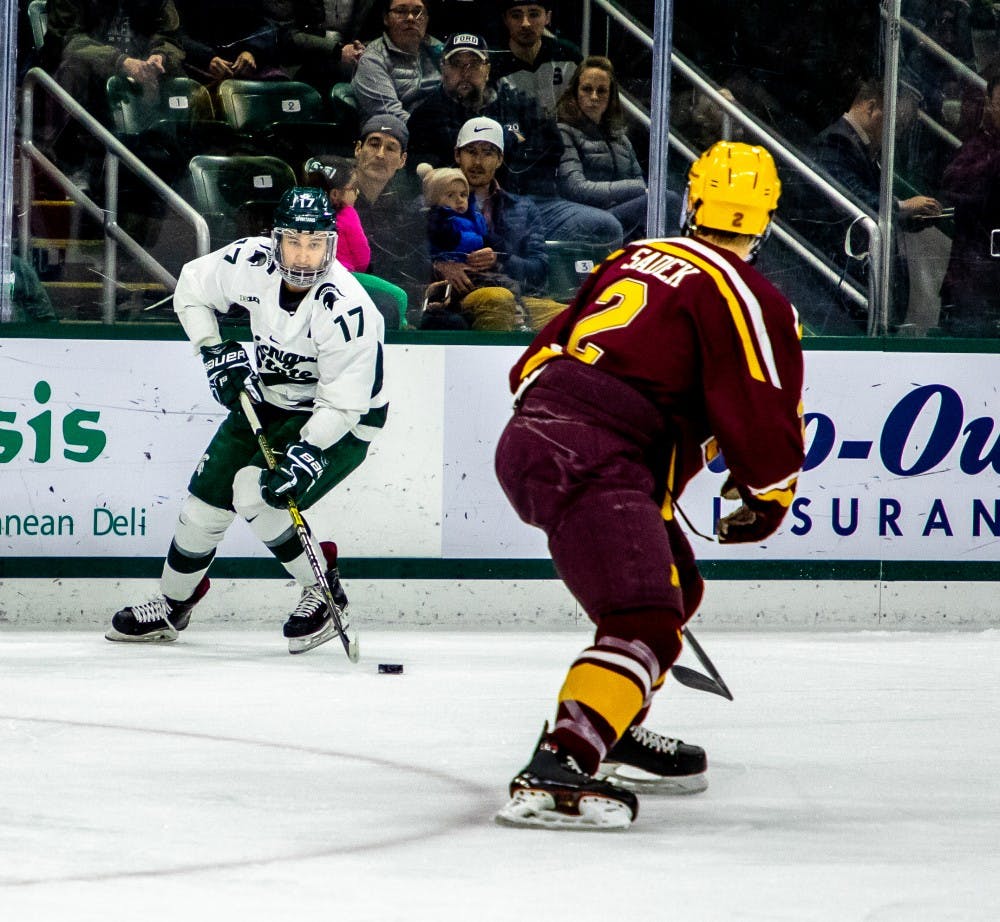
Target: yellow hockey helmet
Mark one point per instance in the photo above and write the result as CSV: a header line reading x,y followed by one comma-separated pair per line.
x,y
732,187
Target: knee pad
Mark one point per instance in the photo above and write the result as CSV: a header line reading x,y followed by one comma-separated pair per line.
x,y
247,499
200,527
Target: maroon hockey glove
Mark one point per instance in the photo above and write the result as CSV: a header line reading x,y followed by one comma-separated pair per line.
x,y
754,521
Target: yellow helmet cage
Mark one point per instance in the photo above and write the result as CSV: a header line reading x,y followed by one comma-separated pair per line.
x,y
733,187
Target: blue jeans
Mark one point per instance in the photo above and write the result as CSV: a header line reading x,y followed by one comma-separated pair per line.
x,y
564,220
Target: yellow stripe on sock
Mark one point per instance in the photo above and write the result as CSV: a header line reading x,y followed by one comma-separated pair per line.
x,y
616,698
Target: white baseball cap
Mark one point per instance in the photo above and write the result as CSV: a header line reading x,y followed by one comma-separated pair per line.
x,y
480,129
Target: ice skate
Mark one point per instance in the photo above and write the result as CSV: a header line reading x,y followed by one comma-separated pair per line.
x,y
157,621
645,761
552,792
311,623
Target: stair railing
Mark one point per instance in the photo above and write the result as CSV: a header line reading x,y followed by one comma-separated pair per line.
x,y
116,154
874,303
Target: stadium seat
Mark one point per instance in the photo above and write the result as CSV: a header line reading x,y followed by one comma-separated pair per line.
x,y
255,105
165,131
285,118
570,261
181,99
237,195
344,105
383,292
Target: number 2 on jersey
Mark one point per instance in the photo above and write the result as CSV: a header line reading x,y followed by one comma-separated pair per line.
x,y
626,298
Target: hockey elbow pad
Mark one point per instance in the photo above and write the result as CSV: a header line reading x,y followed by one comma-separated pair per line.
x,y
758,517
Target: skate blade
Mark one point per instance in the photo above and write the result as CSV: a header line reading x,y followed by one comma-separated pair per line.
x,y
311,641
529,809
163,636
635,779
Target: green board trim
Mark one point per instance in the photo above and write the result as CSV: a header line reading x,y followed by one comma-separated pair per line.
x,y
171,331
402,568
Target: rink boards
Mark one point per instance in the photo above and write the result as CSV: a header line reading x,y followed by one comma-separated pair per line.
x,y
901,487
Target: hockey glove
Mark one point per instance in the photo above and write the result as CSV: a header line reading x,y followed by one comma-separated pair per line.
x,y
294,474
229,372
755,520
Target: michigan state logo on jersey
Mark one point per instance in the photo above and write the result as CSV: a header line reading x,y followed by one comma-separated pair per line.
x,y
328,295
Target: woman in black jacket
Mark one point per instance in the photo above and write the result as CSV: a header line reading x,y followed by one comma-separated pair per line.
x,y
599,166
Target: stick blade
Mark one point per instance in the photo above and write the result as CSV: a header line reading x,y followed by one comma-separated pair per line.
x,y
694,679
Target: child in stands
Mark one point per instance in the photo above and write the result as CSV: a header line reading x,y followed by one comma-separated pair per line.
x,y
335,176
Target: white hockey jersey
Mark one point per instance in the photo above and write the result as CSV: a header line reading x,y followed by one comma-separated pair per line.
x,y
327,356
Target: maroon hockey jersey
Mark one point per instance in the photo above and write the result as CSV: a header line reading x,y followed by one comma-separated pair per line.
x,y
709,341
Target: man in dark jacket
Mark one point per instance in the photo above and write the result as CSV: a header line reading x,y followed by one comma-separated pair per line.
x,y
388,206
848,150
534,62
533,144
136,39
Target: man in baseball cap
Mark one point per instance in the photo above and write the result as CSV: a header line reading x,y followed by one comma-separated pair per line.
x,y
480,129
387,125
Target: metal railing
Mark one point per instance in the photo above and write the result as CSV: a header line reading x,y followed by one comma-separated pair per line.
x,y
116,153
858,215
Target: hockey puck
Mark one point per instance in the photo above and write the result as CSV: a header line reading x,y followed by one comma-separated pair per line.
x,y
390,668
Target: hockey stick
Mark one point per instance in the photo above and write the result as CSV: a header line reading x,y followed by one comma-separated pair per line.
x,y
350,644
712,682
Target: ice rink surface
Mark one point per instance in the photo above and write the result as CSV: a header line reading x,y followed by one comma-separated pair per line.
x,y
855,777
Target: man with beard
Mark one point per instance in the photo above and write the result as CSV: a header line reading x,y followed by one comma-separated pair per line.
x,y
533,146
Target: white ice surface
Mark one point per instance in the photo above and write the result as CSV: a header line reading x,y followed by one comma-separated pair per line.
x,y
855,777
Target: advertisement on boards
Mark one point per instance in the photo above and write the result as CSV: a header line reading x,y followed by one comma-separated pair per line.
x,y
98,440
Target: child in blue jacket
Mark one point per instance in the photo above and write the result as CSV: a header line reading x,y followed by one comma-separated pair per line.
x,y
455,226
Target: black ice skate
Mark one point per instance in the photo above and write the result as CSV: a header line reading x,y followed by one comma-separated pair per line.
x,y
312,624
156,621
552,792
645,761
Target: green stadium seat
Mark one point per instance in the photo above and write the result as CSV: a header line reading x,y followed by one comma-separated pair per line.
x,y
570,262
383,292
237,194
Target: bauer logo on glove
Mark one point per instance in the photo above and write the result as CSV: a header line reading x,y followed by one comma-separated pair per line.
x,y
229,372
294,474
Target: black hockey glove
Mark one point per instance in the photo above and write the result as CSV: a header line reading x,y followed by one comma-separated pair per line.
x,y
295,473
754,521
229,372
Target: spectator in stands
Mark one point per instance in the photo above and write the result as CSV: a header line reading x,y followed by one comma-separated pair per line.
x,y
399,69
849,150
389,207
455,226
599,166
337,177
947,22
970,294
319,40
536,63
516,243
228,39
533,143
138,39
479,17
28,298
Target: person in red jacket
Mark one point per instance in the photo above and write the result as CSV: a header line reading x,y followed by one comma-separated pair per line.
x,y
672,351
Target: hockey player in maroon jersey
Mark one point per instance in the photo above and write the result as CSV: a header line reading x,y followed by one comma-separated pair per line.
x,y
672,351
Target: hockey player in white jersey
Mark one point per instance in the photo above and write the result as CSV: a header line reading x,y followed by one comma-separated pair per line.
x,y
317,385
